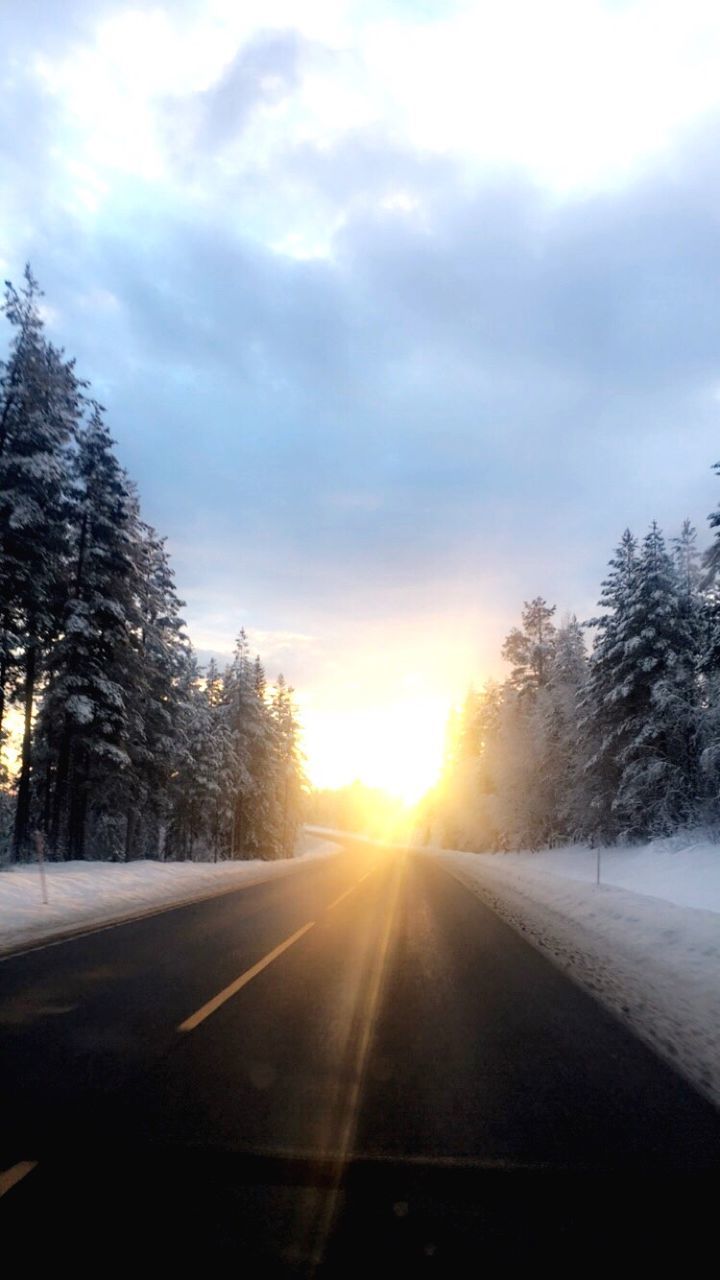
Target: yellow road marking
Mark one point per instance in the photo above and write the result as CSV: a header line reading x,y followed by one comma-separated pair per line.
x,y
10,1177
342,895
196,1018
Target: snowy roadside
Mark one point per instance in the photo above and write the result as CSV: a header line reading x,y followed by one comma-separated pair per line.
x,y
652,962
684,869
83,895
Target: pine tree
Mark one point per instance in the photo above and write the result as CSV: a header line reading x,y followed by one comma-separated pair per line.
x,y
39,417
247,737
562,769
289,784
531,647
687,563
640,679
158,702
195,779
602,709
709,675
465,809
84,726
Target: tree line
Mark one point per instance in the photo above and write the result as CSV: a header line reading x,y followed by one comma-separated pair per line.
x,y
621,743
128,748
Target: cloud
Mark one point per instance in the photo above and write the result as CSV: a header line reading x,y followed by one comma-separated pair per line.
x,y
263,71
365,383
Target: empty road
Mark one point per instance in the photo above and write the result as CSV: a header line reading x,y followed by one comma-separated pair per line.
x,y
355,1065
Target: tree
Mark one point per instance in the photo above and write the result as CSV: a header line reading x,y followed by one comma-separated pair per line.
x,y
602,712
125,743
531,647
642,686
289,780
248,735
559,733
158,703
40,411
84,727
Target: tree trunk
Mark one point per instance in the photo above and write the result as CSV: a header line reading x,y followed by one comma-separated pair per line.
x,y
22,811
59,799
130,829
82,819
77,809
3,677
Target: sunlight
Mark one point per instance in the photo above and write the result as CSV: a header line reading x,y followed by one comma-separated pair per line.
x,y
397,747
12,744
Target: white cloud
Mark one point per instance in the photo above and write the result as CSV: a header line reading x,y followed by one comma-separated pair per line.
x,y
575,92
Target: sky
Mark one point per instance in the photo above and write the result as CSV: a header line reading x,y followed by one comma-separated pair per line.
x,y
401,312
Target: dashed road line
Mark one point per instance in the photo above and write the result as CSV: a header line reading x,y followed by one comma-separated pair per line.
x,y
226,994
9,1178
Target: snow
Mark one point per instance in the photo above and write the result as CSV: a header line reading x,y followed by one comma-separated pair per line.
x,y
646,942
684,869
80,708
83,895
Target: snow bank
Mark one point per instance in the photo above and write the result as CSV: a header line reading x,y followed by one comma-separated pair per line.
x,y
684,869
654,963
86,894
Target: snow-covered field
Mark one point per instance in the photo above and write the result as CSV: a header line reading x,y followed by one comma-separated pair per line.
x,y
86,894
647,944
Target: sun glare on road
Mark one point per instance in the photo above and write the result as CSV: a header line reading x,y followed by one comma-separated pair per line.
x,y
396,747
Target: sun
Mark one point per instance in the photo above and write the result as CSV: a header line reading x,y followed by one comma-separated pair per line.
x,y
396,746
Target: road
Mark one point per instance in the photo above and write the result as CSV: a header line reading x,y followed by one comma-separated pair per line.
x,y
355,1065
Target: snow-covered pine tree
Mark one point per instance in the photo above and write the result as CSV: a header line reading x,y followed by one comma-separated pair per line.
x,y
195,778
687,562
687,693
561,701
40,409
289,777
84,726
248,742
465,811
158,702
216,753
523,799
601,707
709,675
530,648
644,684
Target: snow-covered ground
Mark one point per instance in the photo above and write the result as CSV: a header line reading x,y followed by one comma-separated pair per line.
x,y
684,869
647,944
85,894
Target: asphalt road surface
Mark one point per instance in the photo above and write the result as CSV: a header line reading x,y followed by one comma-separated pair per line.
x,y
354,1066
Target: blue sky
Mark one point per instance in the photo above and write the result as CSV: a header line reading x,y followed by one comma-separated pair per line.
x,y
400,311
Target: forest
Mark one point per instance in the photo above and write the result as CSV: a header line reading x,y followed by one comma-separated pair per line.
x,y
620,743
128,748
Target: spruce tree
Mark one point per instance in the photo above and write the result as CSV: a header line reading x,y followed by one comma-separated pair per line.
x,y
84,726
289,778
40,407
602,706
640,681
159,696
562,772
